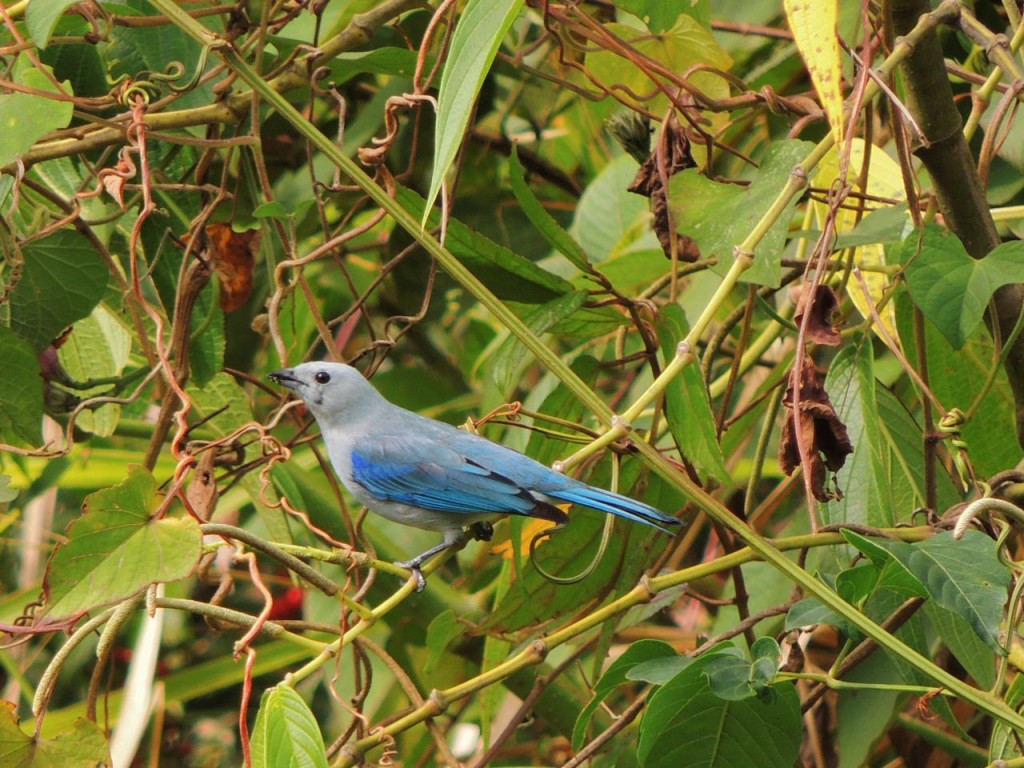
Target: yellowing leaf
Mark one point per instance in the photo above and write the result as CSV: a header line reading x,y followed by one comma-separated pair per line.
x,y
678,49
813,24
884,181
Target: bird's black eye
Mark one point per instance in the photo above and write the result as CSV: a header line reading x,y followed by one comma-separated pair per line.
x,y
322,377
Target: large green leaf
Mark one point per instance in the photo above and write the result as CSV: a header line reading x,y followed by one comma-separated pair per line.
x,y
545,223
720,216
686,723
27,117
116,549
954,376
508,274
863,479
963,576
21,397
950,287
686,44
618,674
286,734
963,642
63,278
511,356
610,220
80,746
687,406
478,35
98,348
42,18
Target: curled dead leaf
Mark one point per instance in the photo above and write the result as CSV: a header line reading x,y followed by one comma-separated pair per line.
x,y
822,433
821,308
674,148
233,256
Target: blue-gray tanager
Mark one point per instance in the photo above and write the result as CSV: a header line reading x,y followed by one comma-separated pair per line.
x,y
428,474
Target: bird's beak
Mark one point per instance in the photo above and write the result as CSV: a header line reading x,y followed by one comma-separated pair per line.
x,y
285,378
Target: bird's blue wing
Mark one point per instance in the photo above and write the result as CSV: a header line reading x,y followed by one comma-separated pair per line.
x,y
432,476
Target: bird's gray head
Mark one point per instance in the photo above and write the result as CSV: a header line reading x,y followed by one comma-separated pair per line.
x,y
332,391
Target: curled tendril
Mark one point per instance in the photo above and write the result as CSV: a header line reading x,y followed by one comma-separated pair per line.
x,y
175,70
547,533
147,84
949,427
133,91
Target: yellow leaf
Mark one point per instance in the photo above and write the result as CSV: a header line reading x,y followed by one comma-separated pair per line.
x,y
814,27
885,181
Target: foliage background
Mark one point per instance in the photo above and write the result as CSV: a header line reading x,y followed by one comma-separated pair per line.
x,y
195,194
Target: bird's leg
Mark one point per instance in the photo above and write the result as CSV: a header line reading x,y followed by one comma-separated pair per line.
x,y
452,538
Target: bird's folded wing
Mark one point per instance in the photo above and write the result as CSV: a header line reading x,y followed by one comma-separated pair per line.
x,y
446,482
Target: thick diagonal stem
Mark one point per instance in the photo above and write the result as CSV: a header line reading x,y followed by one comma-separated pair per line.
x,y
958,189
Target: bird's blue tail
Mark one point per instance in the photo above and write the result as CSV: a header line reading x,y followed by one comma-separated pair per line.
x,y
606,501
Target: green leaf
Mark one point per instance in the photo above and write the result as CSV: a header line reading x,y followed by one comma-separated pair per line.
x,y
990,435
905,470
81,746
545,223
116,549
286,734
951,288
63,278
42,18
765,657
508,360
867,497
729,675
856,584
687,407
810,611
698,204
687,724
386,60
6,492
207,342
616,675
659,15
444,628
507,274
21,397
892,573
659,671
883,225
687,44
478,35
27,117
962,576
98,348
610,220
963,642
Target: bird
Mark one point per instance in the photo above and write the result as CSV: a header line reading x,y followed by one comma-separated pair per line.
x,y
431,475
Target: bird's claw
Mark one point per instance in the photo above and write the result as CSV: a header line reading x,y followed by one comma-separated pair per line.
x,y
421,580
481,531
414,567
